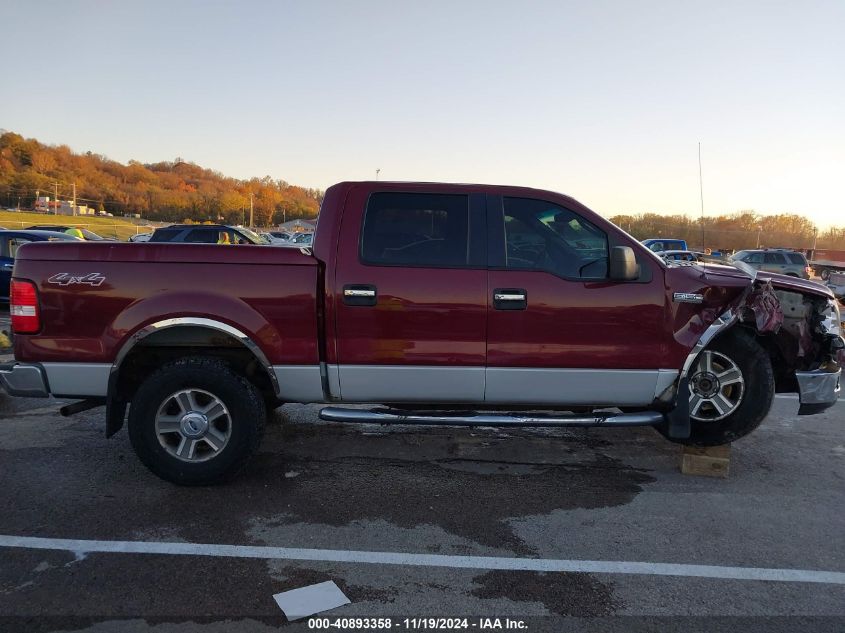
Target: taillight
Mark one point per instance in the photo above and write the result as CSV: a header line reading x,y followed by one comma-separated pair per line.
x,y
23,307
808,270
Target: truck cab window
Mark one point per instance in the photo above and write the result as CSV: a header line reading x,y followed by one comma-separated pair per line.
x,y
416,229
542,236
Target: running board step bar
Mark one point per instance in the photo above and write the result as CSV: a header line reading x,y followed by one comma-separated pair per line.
x,y
444,418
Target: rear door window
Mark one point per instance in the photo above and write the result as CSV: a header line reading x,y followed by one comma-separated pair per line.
x,y
774,258
213,236
797,258
165,235
416,229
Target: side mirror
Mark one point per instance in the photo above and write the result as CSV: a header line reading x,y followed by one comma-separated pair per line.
x,y
623,264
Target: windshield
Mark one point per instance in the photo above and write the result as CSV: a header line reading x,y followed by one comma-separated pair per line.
x,y
254,237
91,236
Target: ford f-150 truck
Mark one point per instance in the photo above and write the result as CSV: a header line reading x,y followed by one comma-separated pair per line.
x,y
438,303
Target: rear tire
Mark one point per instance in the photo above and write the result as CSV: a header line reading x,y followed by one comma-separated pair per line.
x,y
196,422
736,373
824,274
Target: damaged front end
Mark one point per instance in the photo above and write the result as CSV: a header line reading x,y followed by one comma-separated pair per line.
x,y
821,354
803,334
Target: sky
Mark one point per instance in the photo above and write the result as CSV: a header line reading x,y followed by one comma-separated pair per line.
x,y
606,101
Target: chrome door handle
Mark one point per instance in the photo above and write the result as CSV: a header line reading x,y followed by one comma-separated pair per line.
x,y
360,295
510,299
356,292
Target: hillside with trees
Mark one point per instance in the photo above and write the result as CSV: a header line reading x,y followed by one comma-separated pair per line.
x,y
744,229
179,190
170,191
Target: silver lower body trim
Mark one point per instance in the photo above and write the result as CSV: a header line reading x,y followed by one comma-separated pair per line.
x,y
582,387
299,383
78,379
391,416
24,381
411,383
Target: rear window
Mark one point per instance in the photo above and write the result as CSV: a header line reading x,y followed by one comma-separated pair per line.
x,y
416,229
797,258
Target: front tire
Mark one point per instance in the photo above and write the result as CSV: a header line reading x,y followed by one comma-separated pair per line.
x,y
732,386
196,422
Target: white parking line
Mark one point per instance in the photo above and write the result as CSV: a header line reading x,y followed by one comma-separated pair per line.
x,y
425,560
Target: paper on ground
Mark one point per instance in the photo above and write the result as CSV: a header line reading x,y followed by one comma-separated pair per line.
x,y
305,601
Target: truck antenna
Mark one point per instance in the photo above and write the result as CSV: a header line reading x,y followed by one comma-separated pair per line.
x,y
701,194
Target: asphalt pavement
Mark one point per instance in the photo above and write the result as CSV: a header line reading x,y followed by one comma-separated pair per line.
x,y
465,496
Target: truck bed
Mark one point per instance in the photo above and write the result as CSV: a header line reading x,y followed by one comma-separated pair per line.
x,y
260,289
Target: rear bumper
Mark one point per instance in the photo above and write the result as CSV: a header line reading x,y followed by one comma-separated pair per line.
x,y
818,390
28,381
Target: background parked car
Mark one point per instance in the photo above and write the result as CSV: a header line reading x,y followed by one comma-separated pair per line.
x,y
11,241
680,256
276,238
303,239
207,234
87,235
140,237
781,260
836,282
658,244
279,238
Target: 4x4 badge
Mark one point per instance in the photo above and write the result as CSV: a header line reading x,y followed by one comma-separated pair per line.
x,y
66,279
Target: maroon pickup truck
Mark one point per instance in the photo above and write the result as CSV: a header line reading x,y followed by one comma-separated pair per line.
x,y
442,303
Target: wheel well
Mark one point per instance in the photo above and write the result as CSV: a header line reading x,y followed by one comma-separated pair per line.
x,y
779,347
166,345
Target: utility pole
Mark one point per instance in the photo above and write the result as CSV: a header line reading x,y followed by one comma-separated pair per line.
x,y
377,173
815,236
759,231
56,199
250,209
73,204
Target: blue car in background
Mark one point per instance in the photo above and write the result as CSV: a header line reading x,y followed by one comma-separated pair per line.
x,y
11,241
658,244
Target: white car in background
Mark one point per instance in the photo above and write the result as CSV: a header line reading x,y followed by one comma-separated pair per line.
x,y
277,238
140,237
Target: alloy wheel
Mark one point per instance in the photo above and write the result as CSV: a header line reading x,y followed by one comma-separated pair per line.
x,y
716,387
193,425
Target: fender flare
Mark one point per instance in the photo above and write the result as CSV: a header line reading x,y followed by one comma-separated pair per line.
x,y
724,321
211,324
116,408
